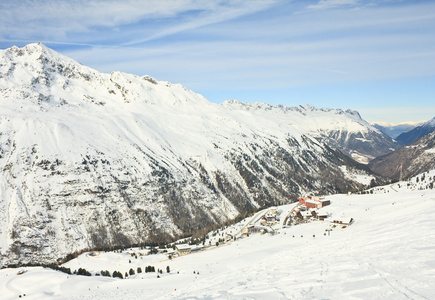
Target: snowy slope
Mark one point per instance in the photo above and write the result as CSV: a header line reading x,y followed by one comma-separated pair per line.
x,y
91,160
387,253
343,130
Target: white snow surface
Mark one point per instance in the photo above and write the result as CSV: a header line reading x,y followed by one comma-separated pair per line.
x,y
387,253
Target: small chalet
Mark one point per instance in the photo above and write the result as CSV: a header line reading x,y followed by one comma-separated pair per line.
x,y
273,211
325,202
322,216
183,249
306,215
270,218
298,214
251,229
197,248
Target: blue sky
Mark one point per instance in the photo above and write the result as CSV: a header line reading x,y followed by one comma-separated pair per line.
x,y
377,57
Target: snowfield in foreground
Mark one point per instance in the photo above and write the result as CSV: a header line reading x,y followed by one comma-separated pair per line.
x,y
387,253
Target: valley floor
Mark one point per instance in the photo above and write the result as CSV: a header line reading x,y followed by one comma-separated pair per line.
x,y
387,253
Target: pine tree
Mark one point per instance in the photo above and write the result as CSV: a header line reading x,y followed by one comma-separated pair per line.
x,y
117,274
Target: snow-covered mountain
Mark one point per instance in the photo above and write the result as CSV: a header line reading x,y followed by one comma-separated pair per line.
x,y
90,159
343,130
394,130
407,161
411,136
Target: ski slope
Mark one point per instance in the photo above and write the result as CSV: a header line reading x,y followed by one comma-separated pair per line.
x,y
387,253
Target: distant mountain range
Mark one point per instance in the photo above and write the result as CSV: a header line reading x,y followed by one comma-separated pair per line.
x,y
413,135
394,130
408,161
94,160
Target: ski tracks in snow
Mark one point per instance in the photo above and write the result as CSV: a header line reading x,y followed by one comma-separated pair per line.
x,y
395,284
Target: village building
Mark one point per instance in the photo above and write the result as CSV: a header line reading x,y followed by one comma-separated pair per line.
x,y
312,204
322,216
299,215
253,229
273,211
325,202
270,218
183,249
306,215
197,248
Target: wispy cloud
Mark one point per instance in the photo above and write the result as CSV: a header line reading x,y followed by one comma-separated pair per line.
x,y
235,47
64,19
326,4
210,15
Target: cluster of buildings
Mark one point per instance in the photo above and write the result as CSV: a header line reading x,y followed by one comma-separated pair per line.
x,y
265,224
269,221
314,202
308,209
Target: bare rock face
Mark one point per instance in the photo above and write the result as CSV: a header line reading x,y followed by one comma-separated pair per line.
x,y
92,160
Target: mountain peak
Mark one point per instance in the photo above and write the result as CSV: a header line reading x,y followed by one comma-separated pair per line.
x,y
36,47
430,123
30,49
354,113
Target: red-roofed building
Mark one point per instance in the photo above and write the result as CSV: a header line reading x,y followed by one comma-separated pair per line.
x,y
312,204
